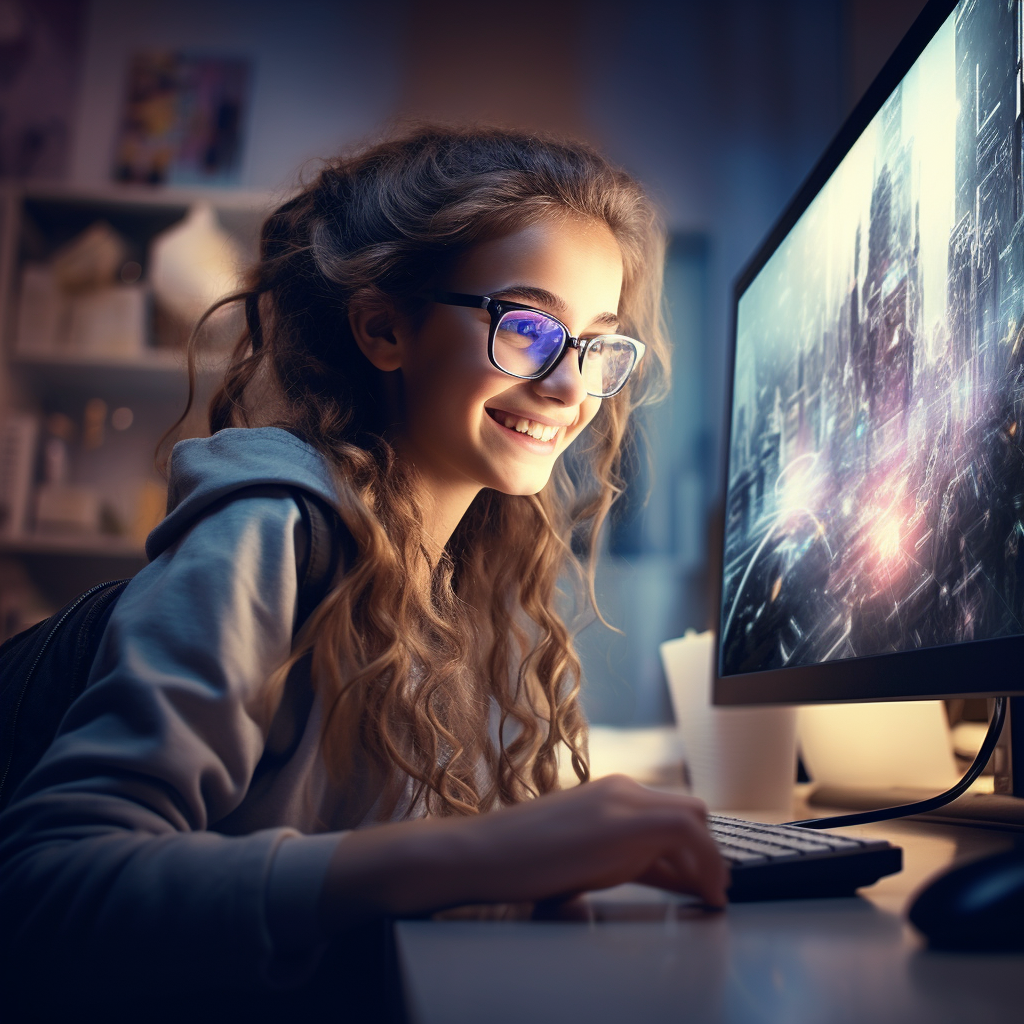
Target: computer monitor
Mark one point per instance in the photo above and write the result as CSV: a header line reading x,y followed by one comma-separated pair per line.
x,y
873,535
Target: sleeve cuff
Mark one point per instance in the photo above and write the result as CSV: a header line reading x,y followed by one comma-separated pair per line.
x,y
296,879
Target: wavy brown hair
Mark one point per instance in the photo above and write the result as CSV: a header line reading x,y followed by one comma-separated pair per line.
x,y
417,661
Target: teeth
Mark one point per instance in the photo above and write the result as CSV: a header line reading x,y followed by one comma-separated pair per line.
x,y
522,425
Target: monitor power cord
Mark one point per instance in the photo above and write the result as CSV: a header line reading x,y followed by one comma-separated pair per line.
x,y
995,727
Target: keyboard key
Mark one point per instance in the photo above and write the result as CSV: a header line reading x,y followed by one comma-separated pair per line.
x,y
787,861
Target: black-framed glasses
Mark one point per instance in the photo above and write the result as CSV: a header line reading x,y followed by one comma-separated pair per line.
x,y
528,343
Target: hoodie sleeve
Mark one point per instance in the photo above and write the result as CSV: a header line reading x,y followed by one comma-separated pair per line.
x,y
107,861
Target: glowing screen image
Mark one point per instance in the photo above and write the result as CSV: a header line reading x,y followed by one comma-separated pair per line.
x,y
875,494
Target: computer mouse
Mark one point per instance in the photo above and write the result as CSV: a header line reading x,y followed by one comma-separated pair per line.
x,y
975,906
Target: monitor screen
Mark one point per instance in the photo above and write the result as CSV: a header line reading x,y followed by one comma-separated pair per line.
x,y
874,509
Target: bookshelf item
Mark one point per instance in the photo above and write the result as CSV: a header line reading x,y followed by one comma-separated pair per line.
x,y
43,311
91,260
193,264
110,321
19,433
65,508
88,380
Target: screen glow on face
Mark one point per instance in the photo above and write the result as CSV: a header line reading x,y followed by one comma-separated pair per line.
x,y
525,342
875,495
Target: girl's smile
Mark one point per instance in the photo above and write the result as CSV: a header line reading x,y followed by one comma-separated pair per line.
x,y
467,425
542,431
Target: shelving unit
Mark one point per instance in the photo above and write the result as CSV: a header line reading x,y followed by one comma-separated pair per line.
x,y
90,546
35,221
158,374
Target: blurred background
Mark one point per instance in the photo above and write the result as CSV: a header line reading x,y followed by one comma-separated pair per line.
x,y
141,142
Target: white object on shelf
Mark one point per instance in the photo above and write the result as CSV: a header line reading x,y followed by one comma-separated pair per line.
x,y
109,321
43,311
19,435
193,264
64,508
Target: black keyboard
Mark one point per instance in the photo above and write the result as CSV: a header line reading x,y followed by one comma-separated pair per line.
x,y
782,862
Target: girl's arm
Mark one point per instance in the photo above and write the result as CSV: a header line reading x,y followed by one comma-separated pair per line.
x,y
110,865
589,837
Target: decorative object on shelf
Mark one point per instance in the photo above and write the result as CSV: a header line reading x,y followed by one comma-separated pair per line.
x,y
62,507
90,260
94,422
78,302
193,264
19,435
182,120
65,508
43,311
110,321
122,418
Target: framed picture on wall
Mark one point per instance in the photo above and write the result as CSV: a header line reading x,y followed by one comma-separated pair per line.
x,y
183,119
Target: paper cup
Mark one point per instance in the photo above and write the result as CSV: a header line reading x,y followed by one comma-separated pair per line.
x,y
738,758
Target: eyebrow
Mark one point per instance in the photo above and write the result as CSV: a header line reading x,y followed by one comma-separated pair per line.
x,y
529,293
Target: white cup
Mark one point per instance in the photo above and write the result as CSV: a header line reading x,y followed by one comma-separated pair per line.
x,y
738,758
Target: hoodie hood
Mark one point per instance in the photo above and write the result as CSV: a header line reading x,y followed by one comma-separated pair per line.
x,y
205,469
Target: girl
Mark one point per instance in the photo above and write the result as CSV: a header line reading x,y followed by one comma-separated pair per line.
x,y
431,324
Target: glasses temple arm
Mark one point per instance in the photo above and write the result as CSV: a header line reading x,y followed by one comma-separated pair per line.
x,y
461,299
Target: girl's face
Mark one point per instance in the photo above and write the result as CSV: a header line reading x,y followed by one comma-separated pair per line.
x,y
460,412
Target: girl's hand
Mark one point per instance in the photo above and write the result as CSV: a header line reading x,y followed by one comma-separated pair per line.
x,y
591,837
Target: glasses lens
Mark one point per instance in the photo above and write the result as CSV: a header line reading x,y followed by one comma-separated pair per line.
x,y
526,343
608,362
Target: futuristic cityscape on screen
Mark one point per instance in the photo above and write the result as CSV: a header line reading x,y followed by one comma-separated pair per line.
x,y
875,497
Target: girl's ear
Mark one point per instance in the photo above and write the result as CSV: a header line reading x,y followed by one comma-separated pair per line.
x,y
372,329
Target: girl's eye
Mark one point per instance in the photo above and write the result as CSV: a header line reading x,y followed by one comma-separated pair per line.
x,y
527,331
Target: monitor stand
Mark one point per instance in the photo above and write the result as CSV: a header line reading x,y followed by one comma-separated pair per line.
x,y
1002,809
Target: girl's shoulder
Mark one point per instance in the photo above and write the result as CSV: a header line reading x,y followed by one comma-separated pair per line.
x,y
209,472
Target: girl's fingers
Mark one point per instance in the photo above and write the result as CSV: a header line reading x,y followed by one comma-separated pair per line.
x,y
691,855
679,871
670,828
603,834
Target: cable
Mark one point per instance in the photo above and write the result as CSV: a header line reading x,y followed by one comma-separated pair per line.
x,y
995,727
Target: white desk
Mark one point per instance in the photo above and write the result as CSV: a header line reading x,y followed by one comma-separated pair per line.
x,y
642,957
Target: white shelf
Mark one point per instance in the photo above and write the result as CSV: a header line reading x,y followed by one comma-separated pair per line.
x,y
100,546
159,373
146,195
152,361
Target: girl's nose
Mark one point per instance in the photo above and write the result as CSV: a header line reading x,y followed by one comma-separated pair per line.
x,y
564,383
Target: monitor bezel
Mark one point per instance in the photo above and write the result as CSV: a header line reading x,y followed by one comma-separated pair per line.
x,y
987,666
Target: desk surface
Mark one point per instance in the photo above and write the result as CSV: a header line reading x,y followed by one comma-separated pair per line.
x,y
642,956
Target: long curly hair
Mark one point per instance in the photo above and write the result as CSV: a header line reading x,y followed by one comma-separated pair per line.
x,y
421,664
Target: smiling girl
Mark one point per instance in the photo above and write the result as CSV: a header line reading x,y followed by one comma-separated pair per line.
x,y
431,324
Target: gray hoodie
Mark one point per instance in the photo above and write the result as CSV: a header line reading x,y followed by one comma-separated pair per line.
x,y
165,834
